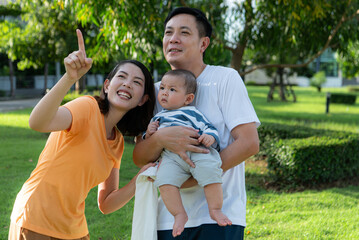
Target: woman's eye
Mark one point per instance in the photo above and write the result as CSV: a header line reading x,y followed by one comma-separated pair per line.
x,y
138,82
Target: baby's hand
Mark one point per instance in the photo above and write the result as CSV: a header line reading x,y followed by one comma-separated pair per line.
x,y
206,140
152,128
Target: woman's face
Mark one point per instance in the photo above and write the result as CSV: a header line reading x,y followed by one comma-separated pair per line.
x,y
126,89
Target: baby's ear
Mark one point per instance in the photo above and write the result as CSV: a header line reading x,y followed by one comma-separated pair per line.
x,y
189,98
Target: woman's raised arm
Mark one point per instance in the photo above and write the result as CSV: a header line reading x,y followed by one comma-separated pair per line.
x,y
48,116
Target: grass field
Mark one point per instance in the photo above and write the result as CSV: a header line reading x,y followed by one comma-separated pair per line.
x,y
330,213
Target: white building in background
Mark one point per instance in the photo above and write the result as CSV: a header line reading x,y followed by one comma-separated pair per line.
x,y
326,62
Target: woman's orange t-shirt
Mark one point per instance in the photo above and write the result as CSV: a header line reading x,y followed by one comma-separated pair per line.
x,y
52,200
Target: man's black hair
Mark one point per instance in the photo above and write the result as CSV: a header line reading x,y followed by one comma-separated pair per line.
x,y
203,25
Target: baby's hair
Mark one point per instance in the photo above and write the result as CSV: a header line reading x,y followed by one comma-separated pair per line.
x,y
189,78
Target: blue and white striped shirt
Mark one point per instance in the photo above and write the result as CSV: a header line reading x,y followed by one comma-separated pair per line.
x,y
187,116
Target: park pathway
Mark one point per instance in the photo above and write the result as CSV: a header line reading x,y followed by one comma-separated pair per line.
x,y
11,105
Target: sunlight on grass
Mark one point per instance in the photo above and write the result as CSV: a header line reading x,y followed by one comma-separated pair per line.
x,y
16,119
309,110
327,214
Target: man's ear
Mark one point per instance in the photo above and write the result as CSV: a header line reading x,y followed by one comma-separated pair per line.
x,y
143,100
189,98
204,44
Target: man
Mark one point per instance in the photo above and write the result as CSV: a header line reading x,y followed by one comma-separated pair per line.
x,y
223,99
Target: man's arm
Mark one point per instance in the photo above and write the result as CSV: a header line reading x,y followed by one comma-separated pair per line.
x,y
176,139
245,145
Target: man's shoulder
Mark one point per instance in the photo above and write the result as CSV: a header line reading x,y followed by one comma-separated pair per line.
x,y
219,72
220,68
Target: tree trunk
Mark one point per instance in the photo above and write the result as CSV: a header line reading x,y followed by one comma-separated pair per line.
x,y
272,88
81,84
280,75
11,76
281,85
46,73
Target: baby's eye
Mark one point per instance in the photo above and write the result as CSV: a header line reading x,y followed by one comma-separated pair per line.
x,y
172,90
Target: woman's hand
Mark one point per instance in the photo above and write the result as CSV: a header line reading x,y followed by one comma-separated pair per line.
x,y
77,64
48,116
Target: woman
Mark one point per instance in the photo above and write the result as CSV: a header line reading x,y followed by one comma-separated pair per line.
x,y
83,150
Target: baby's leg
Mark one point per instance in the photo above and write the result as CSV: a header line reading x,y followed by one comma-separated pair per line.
x,y
214,196
172,199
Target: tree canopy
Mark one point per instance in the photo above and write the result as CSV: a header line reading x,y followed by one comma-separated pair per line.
x,y
264,33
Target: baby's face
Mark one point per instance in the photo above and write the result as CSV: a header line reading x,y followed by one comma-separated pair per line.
x,y
172,93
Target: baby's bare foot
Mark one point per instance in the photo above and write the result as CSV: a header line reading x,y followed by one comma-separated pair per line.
x,y
178,226
220,218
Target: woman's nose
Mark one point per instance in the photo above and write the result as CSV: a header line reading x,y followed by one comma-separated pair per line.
x,y
126,84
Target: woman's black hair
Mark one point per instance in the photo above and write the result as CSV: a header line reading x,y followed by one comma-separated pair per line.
x,y
135,120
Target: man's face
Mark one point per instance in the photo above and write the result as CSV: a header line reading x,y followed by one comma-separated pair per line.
x,y
181,42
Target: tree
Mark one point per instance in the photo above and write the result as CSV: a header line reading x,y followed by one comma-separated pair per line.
x,y
277,34
44,35
318,80
290,33
5,34
138,34
349,60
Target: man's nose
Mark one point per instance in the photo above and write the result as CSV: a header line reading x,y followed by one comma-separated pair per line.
x,y
174,38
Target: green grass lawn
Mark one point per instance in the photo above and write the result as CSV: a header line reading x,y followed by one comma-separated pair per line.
x,y
331,213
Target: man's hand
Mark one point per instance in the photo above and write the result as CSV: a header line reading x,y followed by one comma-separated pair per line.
x,y
179,140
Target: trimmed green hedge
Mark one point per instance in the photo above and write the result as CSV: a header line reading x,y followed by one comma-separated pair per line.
x,y
343,98
272,132
300,155
314,160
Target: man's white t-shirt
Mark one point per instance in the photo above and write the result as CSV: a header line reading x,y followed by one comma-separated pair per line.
x,y
222,97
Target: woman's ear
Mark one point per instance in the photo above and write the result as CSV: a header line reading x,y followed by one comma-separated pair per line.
x,y
189,98
106,85
143,100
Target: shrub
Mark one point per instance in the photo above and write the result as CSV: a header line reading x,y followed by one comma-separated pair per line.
x,y
2,93
314,160
342,98
71,96
353,89
93,88
318,79
272,132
